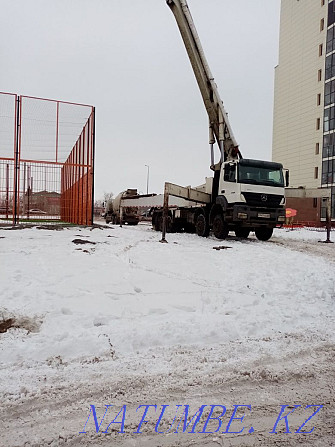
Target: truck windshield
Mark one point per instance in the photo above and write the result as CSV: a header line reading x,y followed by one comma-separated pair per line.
x,y
260,176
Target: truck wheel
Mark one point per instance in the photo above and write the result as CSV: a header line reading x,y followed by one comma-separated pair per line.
x,y
201,225
242,232
263,233
220,227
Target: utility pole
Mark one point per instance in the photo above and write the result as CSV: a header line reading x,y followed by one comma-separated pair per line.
x,y
147,179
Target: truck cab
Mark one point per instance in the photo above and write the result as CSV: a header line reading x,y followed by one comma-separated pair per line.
x,y
251,196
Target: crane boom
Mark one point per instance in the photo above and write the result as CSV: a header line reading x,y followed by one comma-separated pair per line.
x,y
219,125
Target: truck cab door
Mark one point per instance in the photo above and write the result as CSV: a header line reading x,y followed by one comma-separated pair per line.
x,y
228,185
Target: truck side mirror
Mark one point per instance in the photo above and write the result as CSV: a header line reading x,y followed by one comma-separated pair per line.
x,y
287,178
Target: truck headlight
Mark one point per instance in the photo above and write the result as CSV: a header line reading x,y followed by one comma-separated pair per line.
x,y
281,219
242,215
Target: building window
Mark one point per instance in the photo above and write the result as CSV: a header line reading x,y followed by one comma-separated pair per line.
x,y
328,145
329,93
320,49
322,24
318,123
330,66
319,75
322,2
331,13
329,119
328,171
317,148
316,172
315,202
330,41
318,99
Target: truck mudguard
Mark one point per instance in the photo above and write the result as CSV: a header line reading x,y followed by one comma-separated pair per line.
x,y
221,200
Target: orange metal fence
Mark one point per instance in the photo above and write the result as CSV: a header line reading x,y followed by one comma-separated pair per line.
x,y
46,160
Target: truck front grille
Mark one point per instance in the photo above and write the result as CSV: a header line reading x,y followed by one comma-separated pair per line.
x,y
262,200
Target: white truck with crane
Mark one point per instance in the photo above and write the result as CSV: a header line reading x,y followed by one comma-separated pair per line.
x,y
243,195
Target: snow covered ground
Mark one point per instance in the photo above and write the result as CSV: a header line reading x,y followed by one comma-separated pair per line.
x,y
162,323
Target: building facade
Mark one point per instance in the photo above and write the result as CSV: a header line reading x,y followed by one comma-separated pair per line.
x,y
304,100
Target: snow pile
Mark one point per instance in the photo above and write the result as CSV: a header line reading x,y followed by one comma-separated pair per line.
x,y
127,292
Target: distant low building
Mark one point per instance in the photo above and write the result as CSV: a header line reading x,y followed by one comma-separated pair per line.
x,y
48,202
98,210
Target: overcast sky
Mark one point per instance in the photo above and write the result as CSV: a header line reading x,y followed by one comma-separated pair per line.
x,y
128,60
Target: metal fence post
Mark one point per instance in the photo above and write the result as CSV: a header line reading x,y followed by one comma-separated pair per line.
x,y
16,160
93,156
328,220
165,212
7,190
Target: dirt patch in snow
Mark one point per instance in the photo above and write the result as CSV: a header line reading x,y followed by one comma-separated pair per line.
x,y
6,324
82,241
8,321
